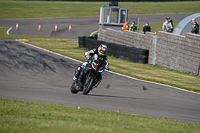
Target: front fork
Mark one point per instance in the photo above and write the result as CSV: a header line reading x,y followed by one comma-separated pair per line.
x,y
97,81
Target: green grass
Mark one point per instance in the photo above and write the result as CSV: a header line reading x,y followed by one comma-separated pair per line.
x,y
34,117
69,47
43,9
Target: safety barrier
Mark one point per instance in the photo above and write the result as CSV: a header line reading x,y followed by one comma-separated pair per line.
x,y
133,54
168,50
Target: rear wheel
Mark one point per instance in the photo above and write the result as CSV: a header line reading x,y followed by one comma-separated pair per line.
x,y
73,89
88,85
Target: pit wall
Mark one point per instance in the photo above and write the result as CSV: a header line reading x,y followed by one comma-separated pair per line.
x,y
168,50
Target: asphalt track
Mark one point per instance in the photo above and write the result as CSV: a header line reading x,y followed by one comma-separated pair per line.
x,y
29,73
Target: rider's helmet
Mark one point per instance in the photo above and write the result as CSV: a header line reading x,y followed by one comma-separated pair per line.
x,y
102,50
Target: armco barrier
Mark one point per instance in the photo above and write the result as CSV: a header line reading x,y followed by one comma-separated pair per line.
x,y
136,55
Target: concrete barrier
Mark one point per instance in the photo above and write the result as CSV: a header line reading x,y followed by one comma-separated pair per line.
x,y
173,51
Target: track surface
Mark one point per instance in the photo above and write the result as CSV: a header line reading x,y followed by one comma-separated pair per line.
x,y
27,73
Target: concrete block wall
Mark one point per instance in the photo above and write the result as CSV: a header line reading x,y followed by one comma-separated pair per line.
x,y
128,38
173,51
178,52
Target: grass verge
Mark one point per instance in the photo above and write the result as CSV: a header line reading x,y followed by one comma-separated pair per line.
x,y
34,117
69,47
44,9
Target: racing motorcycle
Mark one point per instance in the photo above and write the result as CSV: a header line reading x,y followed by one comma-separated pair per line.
x,y
89,78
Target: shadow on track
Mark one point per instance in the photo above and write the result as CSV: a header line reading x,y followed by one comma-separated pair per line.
x,y
95,95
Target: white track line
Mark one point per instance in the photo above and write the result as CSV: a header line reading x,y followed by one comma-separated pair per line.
x,y
93,32
111,71
9,30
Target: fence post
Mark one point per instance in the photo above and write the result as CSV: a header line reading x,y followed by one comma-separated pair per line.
x,y
198,69
138,24
153,59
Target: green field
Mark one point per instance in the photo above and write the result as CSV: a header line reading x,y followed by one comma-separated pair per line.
x,y
34,117
41,9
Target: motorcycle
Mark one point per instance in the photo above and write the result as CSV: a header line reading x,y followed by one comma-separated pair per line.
x,y
89,78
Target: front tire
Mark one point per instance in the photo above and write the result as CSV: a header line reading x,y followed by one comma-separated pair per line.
x,y
73,89
88,85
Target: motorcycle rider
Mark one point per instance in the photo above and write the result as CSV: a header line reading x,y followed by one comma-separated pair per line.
x,y
98,55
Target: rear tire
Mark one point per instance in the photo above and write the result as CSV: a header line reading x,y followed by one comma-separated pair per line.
x,y
88,85
73,89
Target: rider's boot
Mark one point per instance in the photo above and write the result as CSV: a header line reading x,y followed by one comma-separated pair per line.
x,y
77,73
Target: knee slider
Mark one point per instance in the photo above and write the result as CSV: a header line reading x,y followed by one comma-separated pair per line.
x,y
79,68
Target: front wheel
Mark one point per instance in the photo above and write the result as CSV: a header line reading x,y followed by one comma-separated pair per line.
x,y
73,89
88,85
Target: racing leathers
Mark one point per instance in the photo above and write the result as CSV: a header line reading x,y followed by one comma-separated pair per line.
x,y
92,55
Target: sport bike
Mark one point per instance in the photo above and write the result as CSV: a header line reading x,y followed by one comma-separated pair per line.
x,y
89,78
